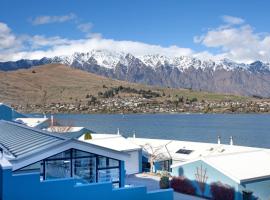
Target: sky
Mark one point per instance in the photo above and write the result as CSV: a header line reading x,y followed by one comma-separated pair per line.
x,y
208,29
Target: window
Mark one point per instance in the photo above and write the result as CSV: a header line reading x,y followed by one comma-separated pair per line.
x,y
78,164
85,168
31,168
80,154
184,151
57,169
108,175
62,155
113,163
102,162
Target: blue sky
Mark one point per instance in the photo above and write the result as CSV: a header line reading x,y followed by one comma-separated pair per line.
x,y
190,25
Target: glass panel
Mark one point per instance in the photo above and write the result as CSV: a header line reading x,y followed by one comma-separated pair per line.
x,y
57,169
85,168
115,185
62,155
32,167
113,163
78,153
108,175
102,162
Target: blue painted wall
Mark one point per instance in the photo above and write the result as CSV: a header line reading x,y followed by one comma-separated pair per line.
x,y
29,187
189,171
260,189
7,113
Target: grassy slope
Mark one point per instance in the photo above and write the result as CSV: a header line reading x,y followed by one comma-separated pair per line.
x,y
58,83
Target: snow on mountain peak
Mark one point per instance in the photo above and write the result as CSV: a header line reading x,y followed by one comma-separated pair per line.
x,y
109,59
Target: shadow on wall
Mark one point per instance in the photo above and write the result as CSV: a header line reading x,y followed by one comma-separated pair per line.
x,y
215,190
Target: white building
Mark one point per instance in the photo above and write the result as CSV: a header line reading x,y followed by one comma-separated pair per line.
x,y
169,152
33,122
133,163
246,173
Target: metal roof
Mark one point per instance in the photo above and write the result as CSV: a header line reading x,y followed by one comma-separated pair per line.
x,y
20,140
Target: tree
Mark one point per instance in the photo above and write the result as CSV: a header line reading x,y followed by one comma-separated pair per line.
x,y
156,153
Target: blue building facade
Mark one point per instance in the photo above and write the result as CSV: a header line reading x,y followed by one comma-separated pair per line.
x,y
201,173
29,186
36,164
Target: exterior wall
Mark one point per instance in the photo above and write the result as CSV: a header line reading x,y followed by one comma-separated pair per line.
x,y
189,171
29,187
261,189
5,113
133,162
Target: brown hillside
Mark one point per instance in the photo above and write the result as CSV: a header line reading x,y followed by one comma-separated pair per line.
x,y
59,83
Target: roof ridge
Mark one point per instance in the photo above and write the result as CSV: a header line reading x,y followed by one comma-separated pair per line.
x,y
233,153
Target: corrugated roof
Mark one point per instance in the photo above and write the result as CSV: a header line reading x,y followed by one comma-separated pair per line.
x,y
20,140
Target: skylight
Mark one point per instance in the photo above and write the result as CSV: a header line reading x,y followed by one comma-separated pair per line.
x,y
184,151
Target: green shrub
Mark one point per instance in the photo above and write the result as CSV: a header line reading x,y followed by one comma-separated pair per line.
x,y
164,182
87,136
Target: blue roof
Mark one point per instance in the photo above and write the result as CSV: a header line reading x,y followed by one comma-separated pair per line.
x,y
20,140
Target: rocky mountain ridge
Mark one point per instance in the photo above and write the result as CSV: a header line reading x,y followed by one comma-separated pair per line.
x,y
224,76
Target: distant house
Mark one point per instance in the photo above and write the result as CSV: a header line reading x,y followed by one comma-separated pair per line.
x,y
69,131
33,122
36,164
9,114
247,173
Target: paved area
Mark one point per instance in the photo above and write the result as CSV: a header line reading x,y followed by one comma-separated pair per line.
x,y
152,183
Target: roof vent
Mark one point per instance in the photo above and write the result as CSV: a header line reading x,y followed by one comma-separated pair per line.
x,y
134,134
231,140
118,131
219,140
52,120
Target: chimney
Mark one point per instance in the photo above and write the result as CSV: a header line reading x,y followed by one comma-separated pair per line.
x,y
134,135
231,140
52,121
219,140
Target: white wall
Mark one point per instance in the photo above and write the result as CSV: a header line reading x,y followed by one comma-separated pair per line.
x,y
132,163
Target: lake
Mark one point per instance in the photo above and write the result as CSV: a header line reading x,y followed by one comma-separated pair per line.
x,y
247,129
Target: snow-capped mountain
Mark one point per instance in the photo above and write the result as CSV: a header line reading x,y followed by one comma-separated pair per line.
x,y
224,76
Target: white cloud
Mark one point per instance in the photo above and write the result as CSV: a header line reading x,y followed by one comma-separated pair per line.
x,y
85,27
7,38
88,44
38,46
46,19
232,20
239,43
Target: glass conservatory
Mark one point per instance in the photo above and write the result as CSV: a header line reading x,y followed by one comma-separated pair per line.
x,y
88,167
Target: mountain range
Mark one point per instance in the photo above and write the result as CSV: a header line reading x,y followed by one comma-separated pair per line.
x,y
224,76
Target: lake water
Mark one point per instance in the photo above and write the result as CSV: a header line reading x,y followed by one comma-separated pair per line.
x,y
247,129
